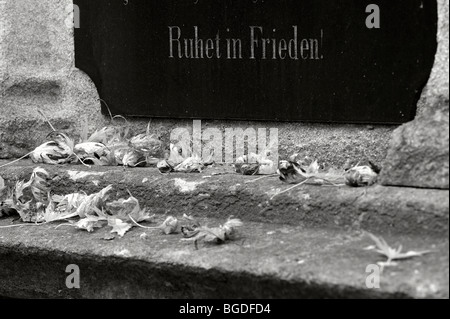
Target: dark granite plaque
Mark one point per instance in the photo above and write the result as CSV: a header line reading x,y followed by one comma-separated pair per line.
x,y
287,60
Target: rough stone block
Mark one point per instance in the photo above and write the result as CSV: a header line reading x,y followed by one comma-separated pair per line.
x,y
437,90
419,153
37,73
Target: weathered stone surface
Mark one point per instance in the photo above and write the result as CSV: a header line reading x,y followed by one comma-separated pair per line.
x,y
437,90
330,144
419,152
379,209
37,73
307,243
264,261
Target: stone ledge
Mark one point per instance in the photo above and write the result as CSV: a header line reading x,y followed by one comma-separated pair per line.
x,y
264,261
389,210
295,246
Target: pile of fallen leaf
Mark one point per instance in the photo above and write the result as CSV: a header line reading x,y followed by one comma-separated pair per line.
x,y
255,164
177,163
109,146
33,202
296,171
115,146
300,171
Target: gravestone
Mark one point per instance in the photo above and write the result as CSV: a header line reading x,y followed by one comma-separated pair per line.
x,y
418,155
37,72
284,60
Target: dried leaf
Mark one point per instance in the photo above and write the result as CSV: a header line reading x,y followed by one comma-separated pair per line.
x,y
192,164
69,204
50,153
291,173
91,150
393,254
216,235
2,184
176,155
92,203
53,215
63,141
39,185
119,152
30,206
231,225
108,159
313,169
104,135
123,208
6,200
58,150
247,169
255,164
192,229
20,188
118,226
25,211
169,226
244,167
266,166
134,158
147,144
89,223
191,219
361,176
165,167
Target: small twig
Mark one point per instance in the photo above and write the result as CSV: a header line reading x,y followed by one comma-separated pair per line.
x,y
23,225
64,225
260,178
291,188
109,111
120,117
139,163
17,160
81,161
134,222
333,183
148,126
46,119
